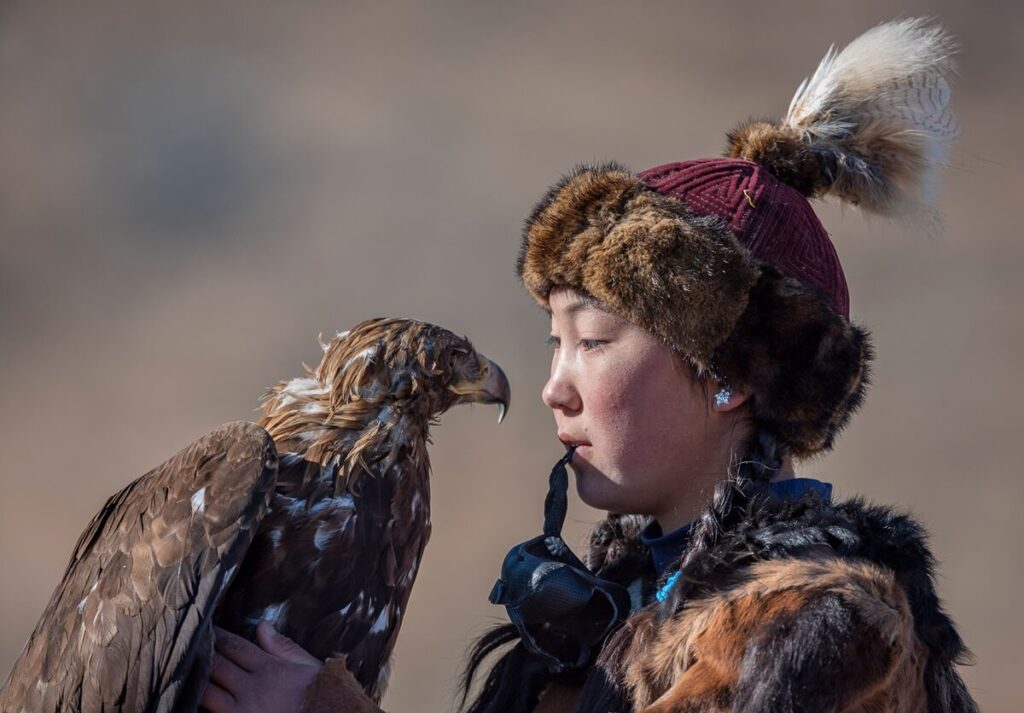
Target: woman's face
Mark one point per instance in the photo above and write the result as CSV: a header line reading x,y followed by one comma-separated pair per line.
x,y
649,440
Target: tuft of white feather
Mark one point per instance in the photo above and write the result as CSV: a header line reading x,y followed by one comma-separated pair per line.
x,y
876,115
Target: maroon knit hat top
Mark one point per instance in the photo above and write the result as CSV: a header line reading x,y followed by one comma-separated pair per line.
x,y
772,220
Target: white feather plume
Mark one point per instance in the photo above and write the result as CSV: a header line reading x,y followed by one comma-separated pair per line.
x,y
877,115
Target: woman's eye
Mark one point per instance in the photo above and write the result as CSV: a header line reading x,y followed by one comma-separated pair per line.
x,y
554,342
589,344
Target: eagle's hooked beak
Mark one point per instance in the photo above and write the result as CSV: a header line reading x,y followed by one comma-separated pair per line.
x,y
491,388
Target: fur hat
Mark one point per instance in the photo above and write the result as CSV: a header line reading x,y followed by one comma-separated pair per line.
x,y
725,259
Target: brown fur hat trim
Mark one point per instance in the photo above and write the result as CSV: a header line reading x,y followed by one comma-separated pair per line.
x,y
642,254
688,280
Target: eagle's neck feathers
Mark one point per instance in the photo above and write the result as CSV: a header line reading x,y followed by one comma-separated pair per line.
x,y
343,429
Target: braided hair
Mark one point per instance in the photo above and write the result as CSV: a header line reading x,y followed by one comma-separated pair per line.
x,y
746,485
734,498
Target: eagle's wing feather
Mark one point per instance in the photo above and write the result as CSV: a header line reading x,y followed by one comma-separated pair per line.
x,y
129,626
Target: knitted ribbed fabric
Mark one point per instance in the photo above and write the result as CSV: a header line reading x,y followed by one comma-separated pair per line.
x,y
772,220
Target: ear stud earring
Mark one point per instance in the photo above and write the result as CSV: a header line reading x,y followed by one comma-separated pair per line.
x,y
722,397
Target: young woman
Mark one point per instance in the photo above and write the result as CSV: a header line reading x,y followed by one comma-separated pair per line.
x,y
701,342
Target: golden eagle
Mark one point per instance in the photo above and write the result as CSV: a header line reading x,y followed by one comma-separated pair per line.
x,y
315,519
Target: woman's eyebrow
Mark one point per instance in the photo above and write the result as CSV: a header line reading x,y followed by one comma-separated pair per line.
x,y
584,303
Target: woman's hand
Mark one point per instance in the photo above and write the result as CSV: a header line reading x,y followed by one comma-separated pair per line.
x,y
247,678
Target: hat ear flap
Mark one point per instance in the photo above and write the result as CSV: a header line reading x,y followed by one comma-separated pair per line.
x,y
806,366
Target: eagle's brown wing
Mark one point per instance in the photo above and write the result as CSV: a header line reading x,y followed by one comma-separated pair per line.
x,y
129,626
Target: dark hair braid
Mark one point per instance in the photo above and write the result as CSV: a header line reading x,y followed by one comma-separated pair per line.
x,y
747,482
514,683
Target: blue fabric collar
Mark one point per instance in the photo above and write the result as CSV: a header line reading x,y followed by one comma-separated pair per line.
x,y
666,549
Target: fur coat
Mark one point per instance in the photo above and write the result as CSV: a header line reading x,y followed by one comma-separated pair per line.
x,y
801,605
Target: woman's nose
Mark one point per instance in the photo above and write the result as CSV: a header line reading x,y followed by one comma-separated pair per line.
x,y
559,393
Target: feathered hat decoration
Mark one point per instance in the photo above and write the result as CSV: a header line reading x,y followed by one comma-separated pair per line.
x,y
726,260
870,126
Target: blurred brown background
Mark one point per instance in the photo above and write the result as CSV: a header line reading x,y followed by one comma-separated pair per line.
x,y
190,192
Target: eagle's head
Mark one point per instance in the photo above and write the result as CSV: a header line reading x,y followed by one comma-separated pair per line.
x,y
382,374
403,362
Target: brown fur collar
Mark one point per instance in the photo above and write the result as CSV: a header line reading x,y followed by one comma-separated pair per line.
x,y
687,279
799,594
821,633
801,605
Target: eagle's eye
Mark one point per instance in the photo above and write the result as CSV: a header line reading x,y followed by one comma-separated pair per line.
x,y
455,356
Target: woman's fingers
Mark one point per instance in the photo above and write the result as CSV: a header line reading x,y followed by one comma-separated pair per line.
x,y
227,674
245,678
276,643
216,700
243,653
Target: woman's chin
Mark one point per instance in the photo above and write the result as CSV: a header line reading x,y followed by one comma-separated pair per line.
x,y
595,489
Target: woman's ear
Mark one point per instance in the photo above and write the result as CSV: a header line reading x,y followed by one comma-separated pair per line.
x,y
723,398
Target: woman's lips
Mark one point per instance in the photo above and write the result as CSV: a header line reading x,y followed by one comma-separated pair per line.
x,y
582,447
